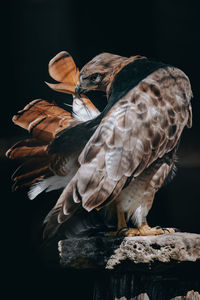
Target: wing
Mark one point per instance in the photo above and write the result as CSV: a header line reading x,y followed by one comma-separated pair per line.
x,y
140,128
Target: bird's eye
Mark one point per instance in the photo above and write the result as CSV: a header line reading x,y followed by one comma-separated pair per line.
x,y
96,77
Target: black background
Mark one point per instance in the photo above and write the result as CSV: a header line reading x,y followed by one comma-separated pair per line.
x,y
36,30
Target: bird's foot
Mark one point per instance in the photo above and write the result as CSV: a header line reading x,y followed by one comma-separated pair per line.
x,y
145,230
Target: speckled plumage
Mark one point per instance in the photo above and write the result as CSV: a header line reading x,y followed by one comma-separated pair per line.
x,y
132,151
121,156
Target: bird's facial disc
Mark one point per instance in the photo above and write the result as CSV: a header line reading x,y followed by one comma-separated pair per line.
x,y
88,83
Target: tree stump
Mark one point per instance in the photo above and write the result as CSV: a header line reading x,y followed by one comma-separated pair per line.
x,y
142,268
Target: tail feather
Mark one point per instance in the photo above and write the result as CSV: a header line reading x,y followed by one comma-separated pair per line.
x,y
33,174
53,223
31,178
40,186
27,148
63,68
30,165
49,184
44,121
26,183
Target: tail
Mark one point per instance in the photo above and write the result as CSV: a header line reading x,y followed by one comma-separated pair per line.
x,y
43,120
41,170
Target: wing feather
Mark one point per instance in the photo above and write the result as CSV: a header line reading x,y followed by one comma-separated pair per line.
x,y
141,127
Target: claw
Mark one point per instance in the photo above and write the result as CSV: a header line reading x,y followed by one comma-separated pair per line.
x,y
146,230
121,230
143,230
166,229
158,227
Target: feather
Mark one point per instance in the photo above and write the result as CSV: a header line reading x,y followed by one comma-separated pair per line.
x,y
62,68
27,148
62,87
43,119
84,109
49,184
129,139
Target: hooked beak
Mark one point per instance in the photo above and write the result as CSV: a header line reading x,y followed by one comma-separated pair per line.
x,y
78,89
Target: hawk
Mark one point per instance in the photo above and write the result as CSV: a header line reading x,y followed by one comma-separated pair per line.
x,y
125,153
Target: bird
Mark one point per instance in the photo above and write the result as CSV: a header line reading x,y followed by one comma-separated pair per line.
x,y
132,143
115,160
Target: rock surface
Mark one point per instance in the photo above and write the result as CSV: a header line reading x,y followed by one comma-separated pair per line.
x,y
130,252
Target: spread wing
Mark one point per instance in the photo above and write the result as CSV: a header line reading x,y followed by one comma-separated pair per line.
x,y
141,127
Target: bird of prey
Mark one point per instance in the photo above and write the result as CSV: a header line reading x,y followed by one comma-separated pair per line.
x,y
125,153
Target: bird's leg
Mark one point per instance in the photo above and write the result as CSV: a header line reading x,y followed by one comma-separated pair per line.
x,y
121,224
145,230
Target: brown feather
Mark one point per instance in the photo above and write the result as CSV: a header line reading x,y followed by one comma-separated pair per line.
x,y
27,148
27,182
134,141
131,137
62,87
31,165
62,68
33,173
43,119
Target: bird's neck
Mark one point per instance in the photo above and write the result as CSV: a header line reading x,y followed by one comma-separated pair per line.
x,y
117,69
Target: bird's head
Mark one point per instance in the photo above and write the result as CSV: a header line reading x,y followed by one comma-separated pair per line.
x,y
99,73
